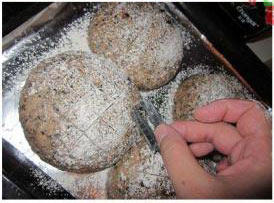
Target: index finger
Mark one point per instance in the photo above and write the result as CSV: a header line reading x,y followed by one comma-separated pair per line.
x,y
229,110
223,136
249,116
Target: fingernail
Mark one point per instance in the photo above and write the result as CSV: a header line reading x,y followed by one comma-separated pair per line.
x,y
161,132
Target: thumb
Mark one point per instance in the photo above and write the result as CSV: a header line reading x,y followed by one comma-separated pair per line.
x,y
188,177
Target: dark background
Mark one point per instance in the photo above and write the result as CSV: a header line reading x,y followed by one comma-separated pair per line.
x,y
15,14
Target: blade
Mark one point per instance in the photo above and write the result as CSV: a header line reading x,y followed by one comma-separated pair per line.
x,y
145,129
154,117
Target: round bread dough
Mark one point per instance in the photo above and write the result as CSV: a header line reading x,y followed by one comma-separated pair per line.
x,y
199,90
140,175
141,38
75,111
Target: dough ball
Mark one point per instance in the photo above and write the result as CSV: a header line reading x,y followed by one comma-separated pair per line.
x,y
199,90
75,111
141,38
140,175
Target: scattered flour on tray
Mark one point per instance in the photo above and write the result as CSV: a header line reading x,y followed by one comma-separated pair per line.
x,y
72,37
17,63
44,182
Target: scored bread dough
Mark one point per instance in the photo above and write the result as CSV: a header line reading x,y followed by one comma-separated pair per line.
x,y
199,90
141,38
140,175
75,111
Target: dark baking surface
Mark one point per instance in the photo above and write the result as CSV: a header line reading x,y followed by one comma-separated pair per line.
x,y
12,191
15,14
17,171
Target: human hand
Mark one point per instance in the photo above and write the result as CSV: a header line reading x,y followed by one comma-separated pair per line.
x,y
247,171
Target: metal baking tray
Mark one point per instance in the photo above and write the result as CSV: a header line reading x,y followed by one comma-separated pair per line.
x,y
34,41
